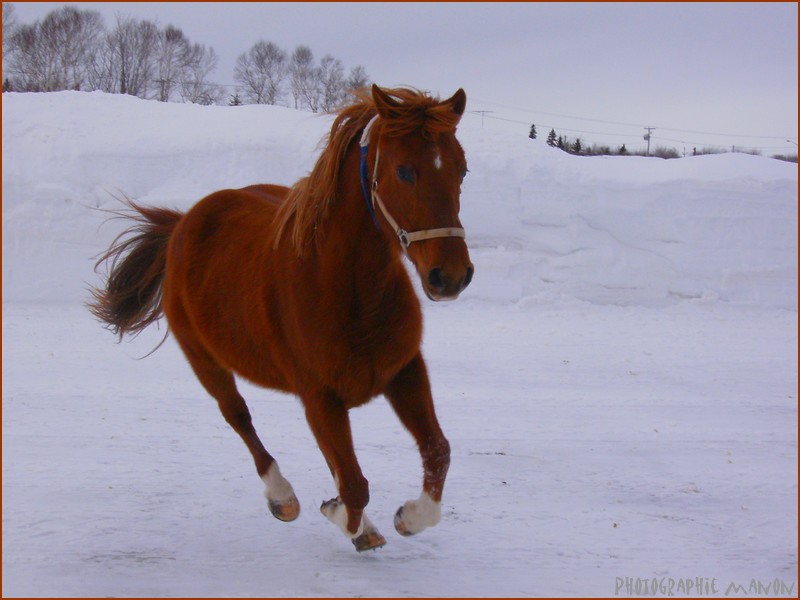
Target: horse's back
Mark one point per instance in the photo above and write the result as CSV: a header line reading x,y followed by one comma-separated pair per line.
x,y
222,223
273,194
228,211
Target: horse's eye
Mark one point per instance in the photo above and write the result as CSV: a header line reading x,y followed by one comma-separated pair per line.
x,y
405,173
464,174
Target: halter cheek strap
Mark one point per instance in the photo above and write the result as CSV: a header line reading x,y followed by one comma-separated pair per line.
x,y
372,198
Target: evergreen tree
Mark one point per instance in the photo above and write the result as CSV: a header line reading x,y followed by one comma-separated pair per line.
x,y
576,147
560,143
532,134
551,138
235,100
623,151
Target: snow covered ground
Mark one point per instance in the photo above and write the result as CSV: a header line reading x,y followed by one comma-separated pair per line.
x,y
619,383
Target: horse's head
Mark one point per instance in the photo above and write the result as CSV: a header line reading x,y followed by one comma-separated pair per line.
x,y
416,177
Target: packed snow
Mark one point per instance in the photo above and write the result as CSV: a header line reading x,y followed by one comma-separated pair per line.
x,y
618,384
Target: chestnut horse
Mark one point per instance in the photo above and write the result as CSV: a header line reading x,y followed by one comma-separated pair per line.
x,y
303,290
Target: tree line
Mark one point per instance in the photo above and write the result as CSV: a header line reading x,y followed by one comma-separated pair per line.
x,y
267,74
576,146
71,49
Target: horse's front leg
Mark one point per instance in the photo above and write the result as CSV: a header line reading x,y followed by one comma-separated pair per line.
x,y
327,416
410,395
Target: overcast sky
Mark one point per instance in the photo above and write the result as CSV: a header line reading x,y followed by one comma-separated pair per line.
x,y
599,71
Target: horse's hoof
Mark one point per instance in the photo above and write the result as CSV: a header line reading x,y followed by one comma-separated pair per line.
x,y
400,525
417,515
285,510
327,507
369,540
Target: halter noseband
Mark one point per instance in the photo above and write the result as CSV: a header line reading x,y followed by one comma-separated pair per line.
x,y
372,198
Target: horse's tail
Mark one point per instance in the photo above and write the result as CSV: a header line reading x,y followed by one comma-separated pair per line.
x,y
136,264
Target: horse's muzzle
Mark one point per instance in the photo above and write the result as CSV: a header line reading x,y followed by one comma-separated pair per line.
x,y
444,286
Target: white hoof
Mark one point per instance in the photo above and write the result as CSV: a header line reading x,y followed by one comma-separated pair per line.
x,y
336,512
283,503
416,515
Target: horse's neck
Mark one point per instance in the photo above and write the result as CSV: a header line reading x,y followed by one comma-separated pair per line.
x,y
357,268
373,257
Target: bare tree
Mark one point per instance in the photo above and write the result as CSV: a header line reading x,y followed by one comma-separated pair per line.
x,y
26,65
173,55
55,53
9,25
357,80
302,80
126,62
69,49
183,68
76,34
195,87
330,76
102,74
260,72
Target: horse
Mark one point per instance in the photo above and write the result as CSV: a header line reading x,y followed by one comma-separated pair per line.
x,y
304,290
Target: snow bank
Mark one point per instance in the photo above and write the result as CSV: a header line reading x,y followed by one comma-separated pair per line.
x,y
542,225
630,230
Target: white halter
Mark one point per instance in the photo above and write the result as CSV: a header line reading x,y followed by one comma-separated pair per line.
x,y
406,238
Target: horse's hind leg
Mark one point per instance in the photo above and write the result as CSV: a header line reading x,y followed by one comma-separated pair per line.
x,y
220,383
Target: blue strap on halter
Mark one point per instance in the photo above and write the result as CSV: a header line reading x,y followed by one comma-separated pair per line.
x,y
364,142
365,185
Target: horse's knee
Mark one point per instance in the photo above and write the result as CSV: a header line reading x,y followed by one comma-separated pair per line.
x,y
235,413
239,419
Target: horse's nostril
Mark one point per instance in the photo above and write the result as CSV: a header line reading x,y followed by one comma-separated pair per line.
x,y
436,279
468,278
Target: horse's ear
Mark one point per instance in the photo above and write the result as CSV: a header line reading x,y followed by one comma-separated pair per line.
x,y
383,102
458,101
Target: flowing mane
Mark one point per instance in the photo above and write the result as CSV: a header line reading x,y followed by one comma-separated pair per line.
x,y
309,198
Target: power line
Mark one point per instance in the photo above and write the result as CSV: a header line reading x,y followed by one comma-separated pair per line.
x,y
545,125
632,135
482,113
563,116
742,135
638,125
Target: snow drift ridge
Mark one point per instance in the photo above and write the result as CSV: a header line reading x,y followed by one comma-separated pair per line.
x,y
541,224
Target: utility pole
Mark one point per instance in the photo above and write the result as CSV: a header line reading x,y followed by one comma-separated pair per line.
x,y
647,137
482,113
